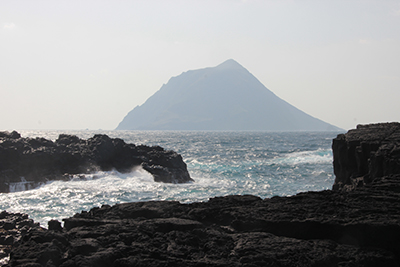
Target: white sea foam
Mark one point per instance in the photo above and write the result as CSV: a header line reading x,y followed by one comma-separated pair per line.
x,y
305,157
21,186
4,261
221,163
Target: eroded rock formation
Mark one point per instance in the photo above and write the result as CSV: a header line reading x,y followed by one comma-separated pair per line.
x,y
363,154
358,224
32,161
328,228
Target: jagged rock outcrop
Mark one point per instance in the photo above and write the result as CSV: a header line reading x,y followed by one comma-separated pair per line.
x,y
357,227
32,161
363,154
13,226
328,228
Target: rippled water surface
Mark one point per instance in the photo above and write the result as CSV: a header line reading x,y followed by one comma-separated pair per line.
x,y
221,163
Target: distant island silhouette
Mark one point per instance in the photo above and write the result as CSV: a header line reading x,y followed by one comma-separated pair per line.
x,y
225,97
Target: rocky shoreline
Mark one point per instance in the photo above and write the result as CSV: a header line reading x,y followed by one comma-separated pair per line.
x,y
357,223
30,162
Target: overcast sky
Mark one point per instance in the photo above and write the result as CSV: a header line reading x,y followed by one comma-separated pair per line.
x,y
85,64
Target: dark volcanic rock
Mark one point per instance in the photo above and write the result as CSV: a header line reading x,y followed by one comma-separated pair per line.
x,y
358,227
28,162
13,226
363,154
328,228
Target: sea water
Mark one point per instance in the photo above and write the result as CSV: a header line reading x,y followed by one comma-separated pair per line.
x,y
264,164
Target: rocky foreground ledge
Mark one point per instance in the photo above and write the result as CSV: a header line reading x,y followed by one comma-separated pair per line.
x,y
30,162
354,225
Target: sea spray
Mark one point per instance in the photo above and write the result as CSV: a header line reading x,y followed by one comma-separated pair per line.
x,y
221,163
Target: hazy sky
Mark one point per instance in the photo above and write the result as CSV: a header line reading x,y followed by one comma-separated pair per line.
x,y
86,64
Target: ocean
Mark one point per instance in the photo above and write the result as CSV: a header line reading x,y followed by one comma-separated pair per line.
x,y
264,164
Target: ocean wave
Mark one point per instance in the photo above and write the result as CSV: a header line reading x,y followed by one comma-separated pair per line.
x,y
319,156
221,163
58,199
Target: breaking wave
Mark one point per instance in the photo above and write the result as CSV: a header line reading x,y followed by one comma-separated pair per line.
x,y
221,163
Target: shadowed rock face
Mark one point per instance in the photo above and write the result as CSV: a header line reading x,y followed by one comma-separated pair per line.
x,y
363,154
32,161
357,227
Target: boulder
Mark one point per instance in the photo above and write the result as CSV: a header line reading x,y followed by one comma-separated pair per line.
x,y
28,162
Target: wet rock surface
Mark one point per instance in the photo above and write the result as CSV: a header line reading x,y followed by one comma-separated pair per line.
x,y
29,162
357,226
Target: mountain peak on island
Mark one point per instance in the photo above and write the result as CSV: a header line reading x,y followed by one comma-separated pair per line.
x,y
230,64
225,97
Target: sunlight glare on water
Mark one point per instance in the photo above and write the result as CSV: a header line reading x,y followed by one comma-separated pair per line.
x,y
221,163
